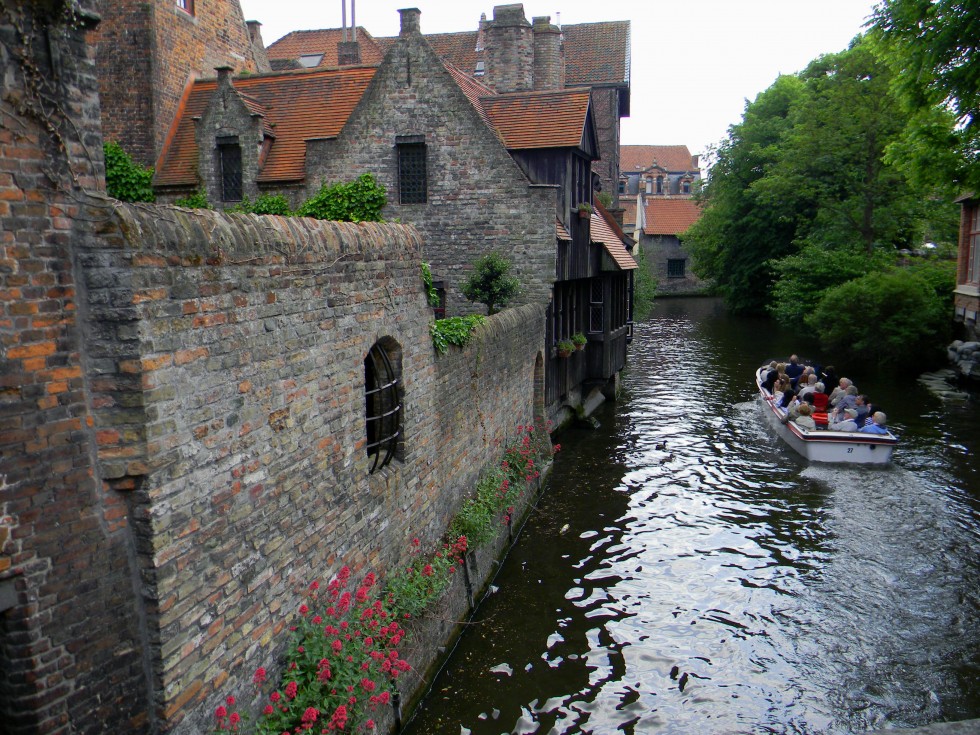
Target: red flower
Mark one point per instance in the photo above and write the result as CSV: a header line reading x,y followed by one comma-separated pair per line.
x,y
234,718
415,541
367,685
269,709
259,676
317,620
427,570
230,701
275,696
221,712
303,609
337,645
291,689
311,714
315,585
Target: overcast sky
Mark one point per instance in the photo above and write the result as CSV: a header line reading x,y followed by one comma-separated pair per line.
x,y
694,62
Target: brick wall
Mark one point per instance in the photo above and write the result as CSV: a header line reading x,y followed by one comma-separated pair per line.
x,y
478,198
182,439
236,345
605,106
148,51
71,655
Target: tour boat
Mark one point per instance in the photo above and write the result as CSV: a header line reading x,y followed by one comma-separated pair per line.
x,y
823,445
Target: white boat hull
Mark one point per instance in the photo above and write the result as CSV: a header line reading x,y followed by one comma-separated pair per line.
x,y
847,447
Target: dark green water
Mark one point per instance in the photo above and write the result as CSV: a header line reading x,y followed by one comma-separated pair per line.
x,y
721,585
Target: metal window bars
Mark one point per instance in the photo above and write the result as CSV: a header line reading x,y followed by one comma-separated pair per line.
x,y
382,407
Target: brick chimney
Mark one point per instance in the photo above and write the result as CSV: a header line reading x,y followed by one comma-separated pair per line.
x,y
410,22
509,50
258,47
549,55
348,53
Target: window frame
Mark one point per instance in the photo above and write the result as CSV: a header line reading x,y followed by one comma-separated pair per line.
x,y
186,6
672,268
225,145
413,185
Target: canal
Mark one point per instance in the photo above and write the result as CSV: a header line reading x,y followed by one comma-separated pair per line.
x,y
687,573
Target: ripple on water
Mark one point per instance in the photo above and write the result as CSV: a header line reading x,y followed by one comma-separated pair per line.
x,y
712,582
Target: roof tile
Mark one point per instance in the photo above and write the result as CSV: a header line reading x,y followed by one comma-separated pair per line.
x,y
669,216
675,158
297,106
552,119
323,41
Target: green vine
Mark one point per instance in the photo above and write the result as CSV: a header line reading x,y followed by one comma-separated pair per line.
x,y
197,200
125,179
265,204
360,200
456,330
430,290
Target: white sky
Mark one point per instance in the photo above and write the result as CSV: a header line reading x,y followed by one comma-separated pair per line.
x,y
694,62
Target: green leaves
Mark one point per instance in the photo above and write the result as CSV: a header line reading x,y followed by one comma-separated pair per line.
x,y
360,200
125,179
456,330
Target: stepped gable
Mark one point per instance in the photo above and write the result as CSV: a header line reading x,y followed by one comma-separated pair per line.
x,y
296,107
667,157
670,215
519,118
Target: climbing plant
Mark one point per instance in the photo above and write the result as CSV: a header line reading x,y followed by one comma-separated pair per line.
x,y
125,179
360,200
456,330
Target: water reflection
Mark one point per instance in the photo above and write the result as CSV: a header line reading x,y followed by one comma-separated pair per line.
x,y
710,581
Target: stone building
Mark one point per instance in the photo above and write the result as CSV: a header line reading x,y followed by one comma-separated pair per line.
x,y
475,170
510,54
148,51
657,170
187,398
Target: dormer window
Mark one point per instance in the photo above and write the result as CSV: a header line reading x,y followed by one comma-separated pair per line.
x,y
480,69
660,184
686,186
309,61
649,185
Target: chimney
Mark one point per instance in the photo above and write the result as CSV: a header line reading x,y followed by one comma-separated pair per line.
x,y
348,53
224,76
549,55
509,50
258,47
410,22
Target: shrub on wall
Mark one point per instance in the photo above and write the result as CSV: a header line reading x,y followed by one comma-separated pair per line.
x,y
491,283
125,179
454,330
197,200
360,200
265,204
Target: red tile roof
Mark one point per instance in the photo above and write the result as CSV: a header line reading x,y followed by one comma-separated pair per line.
x,y
597,53
324,41
553,119
561,231
602,232
675,158
298,106
667,216
473,89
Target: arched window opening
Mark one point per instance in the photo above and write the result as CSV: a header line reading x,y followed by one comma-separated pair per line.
x,y
383,410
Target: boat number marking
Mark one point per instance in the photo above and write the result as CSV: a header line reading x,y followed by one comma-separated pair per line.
x,y
850,450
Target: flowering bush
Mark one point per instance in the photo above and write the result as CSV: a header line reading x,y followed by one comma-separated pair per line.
x,y
501,486
412,590
342,663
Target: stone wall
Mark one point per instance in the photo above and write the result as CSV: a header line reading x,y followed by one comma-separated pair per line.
x,y
236,345
182,414
478,198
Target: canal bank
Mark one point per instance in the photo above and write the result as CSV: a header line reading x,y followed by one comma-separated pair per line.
x,y
687,573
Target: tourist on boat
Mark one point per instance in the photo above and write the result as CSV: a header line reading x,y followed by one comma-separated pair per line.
x,y
848,423
837,393
771,376
794,370
861,404
805,420
809,385
847,399
828,376
786,399
820,398
877,425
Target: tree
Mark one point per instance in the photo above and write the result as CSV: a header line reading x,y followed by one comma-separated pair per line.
x,y
490,283
738,235
894,319
933,46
